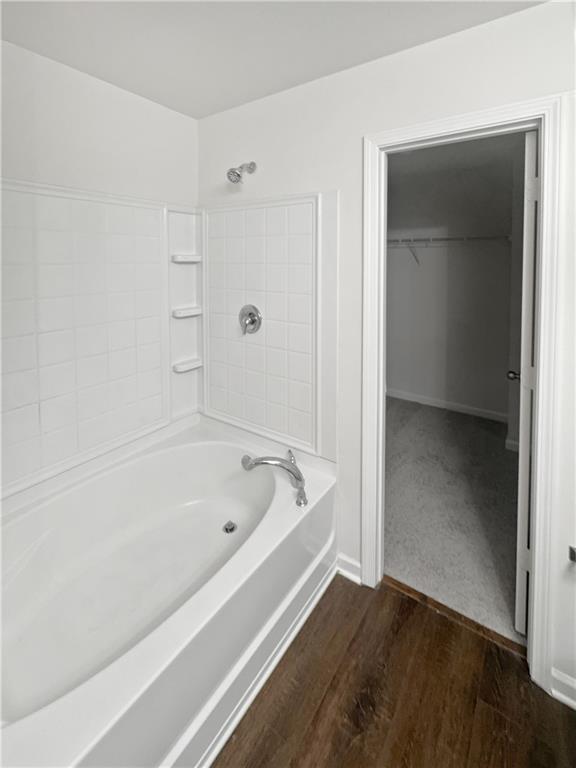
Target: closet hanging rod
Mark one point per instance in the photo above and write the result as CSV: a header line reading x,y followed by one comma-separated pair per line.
x,y
434,240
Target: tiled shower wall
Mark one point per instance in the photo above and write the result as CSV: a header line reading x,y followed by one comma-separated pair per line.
x,y
265,381
83,350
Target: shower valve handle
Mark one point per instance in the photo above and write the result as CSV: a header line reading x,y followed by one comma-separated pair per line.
x,y
250,319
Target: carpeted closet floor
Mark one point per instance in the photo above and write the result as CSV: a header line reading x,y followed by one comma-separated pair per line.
x,y
451,489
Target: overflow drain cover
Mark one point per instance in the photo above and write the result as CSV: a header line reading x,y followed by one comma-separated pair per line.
x,y
229,527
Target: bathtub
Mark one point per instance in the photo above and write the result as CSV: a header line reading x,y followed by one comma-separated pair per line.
x,y
144,606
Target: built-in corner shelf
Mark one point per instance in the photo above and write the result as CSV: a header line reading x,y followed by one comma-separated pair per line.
x,y
180,313
186,258
184,366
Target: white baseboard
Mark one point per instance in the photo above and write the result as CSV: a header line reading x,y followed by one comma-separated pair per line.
x,y
564,688
447,405
349,568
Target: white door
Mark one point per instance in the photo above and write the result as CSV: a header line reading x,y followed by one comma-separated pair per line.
x,y
525,378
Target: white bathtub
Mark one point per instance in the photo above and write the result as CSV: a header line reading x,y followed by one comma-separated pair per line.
x,y
136,631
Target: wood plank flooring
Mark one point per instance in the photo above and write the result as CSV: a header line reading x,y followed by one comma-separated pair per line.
x,y
378,679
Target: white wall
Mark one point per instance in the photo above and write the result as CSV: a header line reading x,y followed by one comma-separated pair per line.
x,y
310,138
447,318
447,327
65,128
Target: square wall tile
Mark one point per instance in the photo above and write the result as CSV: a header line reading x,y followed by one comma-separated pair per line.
x,y
217,225
218,399
19,389
18,245
299,338
236,353
147,330
301,219
19,353
276,249
276,418
300,396
255,250
276,305
21,459
255,277
255,359
93,310
18,318
235,250
21,424
235,379
60,445
56,347
56,314
255,410
55,247
92,370
235,224
276,220
276,334
300,249
57,379
128,390
300,278
55,280
120,306
300,367
149,383
277,362
58,412
276,275
94,401
300,425
89,278
255,222
121,363
277,390
236,405
299,308
91,340
17,282
255,384
121,334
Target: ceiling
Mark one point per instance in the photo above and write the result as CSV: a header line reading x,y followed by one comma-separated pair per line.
x,y
199,58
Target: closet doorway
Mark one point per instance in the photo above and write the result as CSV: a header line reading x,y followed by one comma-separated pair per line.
x,y
461,258
536,456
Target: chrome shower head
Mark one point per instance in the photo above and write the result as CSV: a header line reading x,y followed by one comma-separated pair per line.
x,y
234,175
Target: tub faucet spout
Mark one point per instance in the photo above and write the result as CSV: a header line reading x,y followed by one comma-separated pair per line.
x,y
289,465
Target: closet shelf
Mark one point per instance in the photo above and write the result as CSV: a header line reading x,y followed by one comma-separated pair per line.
x,y
186,258
184,366
179,313
441,240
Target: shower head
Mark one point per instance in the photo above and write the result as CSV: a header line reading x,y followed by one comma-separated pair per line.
x,y
234,175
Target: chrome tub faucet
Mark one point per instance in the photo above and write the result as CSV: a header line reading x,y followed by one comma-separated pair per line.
x,y
289,465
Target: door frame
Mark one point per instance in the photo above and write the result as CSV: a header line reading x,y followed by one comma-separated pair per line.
x,y
544,115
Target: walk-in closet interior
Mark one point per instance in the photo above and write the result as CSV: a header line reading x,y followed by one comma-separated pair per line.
x,y
454,295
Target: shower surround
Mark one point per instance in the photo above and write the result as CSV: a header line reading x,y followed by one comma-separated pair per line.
x,y
264,255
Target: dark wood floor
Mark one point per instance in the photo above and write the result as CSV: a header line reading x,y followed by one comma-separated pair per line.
x,y
378,679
